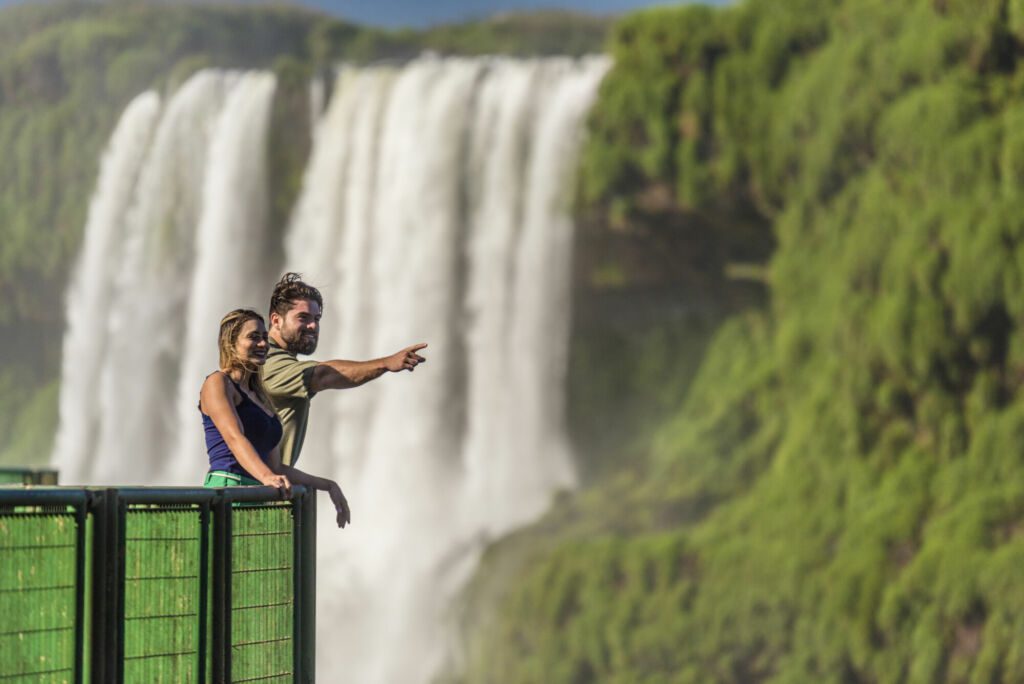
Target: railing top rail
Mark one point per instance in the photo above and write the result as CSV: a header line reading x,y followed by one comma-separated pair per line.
x,y
173,495
33,495
258,494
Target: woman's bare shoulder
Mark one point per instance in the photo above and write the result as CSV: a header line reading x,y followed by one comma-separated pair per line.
x,y
217,378
218,384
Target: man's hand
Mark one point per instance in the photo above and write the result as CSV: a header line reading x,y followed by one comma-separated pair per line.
x,y
340,504
407,359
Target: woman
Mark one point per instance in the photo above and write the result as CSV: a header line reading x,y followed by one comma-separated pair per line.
x,y
242,431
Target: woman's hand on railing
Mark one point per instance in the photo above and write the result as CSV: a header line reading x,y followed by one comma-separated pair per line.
x,y
277,482
340,504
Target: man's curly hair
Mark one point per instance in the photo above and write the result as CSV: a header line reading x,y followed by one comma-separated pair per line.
x,y
289,290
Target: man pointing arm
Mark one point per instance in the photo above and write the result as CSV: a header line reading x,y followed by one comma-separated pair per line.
x,y
295,310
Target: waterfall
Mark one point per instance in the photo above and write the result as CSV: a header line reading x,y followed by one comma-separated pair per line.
x,y
120,423
435,208
90,291
231,254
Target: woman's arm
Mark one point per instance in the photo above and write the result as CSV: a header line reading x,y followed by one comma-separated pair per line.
x,y
215,400
299,477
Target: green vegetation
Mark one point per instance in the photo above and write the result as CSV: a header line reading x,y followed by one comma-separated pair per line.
x,y
524,35
840,495
68,70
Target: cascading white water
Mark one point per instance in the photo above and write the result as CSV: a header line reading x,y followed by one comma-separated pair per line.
x,y
435,208
231,254
444,219
143,281
90,291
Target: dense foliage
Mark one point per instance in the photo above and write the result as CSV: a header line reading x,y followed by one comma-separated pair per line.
x,y
66,73
840,496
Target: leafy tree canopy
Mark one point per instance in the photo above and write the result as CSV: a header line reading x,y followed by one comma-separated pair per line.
x,y
840,496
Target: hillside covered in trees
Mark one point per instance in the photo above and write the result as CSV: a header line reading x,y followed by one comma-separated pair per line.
x,y
838,496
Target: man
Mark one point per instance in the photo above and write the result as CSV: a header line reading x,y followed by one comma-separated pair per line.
x,y
295,309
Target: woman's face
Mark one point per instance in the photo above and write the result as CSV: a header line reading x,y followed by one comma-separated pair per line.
x,y
251,345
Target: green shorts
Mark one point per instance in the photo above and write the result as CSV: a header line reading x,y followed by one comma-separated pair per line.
x,y
222,478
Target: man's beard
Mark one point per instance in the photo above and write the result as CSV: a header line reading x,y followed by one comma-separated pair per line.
x,y
301,343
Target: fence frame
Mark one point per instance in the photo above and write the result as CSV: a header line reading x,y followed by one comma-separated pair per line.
x,y
99,636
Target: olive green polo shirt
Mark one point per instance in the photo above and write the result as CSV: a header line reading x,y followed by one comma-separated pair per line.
x,y
286,381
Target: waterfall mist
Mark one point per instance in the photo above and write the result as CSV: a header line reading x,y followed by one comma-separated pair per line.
x,y
434,208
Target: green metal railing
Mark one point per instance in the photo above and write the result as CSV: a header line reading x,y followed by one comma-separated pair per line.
x,y
41,575
145,584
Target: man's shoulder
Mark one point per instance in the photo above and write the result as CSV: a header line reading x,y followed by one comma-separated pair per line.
x,y
280,359
277,360
285,375
279,355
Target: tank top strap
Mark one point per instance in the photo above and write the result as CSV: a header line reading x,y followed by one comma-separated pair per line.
x,y
199,404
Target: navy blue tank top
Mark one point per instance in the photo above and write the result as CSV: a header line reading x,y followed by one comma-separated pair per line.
x,y
262,430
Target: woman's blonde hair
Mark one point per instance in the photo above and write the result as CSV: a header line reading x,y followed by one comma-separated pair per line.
x,y
230,327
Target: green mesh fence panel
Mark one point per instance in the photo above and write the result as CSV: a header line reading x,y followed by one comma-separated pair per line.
x,y
161,595
262,593
37,596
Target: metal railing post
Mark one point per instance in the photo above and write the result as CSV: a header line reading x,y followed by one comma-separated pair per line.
x,y
121,512
204,589
221,594
305,587
81,551
107,586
